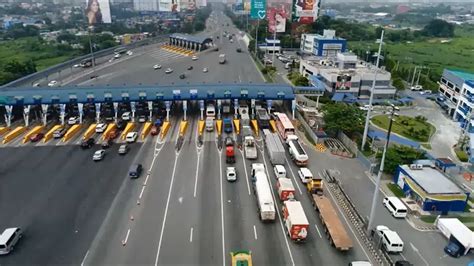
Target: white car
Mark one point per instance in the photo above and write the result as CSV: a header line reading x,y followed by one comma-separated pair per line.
x,y
76,66
98,155
129,52
52,83
168,70
205,70
157,67
37,84
366,108
73,120
117,56
417,88
99,128
305,175
280,171
131,137
126,116
425,92
194,58
231,174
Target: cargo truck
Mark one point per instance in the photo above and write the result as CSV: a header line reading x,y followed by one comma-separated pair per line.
x,y
262,189
286,190
295,220
229,154
274,147
250,148
262,118
335,231
460,237
297,153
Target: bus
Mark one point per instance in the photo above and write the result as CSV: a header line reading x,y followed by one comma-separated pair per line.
x,y
284,125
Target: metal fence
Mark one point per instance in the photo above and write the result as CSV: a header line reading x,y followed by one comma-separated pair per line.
x,y
30,79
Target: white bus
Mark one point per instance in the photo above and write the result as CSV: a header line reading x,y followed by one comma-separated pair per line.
x,y
284,125
297,153
395,206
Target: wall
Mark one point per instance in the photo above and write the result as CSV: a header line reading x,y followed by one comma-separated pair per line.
x,y
350,145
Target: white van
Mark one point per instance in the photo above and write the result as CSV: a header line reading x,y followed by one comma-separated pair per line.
x,y
209,124
8,239
395,206
210,111
391,241
305,175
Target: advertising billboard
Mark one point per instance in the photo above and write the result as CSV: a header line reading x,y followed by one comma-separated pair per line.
x,y
98,11
276,19
281,4
343,82
169,5
258,9
187,5
305,11
247,6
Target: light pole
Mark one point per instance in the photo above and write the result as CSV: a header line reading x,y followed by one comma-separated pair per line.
x,y
379,174
367,118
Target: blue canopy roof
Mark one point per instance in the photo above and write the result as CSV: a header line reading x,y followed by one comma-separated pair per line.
x,y
382,135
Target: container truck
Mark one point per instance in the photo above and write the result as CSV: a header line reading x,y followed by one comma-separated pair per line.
x,y
335,231
460,237
296,223
275,149
297,153
250,149
286,190
265,204
262,118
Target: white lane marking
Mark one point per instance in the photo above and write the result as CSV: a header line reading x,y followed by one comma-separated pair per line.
x,y
197,174
348,225
278,210
126,237
317,229
255,232
141,193
85,257
166,210
222,208
403,256
245,169
146,179
191,235
293,175
417,251
240,79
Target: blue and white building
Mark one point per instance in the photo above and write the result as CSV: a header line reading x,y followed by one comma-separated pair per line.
x,y
323,45
451,87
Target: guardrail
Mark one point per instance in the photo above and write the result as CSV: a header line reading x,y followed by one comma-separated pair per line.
x,y
30,79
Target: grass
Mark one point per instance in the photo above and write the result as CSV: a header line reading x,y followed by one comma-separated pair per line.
x,y
268,77
426,146
428,218
398,192
462,155
403,124
466,219
368,153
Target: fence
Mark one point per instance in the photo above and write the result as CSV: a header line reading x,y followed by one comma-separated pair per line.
x,y
30,79
309,132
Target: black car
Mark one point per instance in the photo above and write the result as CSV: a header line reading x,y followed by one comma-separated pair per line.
x,y
87,144
182,76
229,142
121,125
106,144
135,171
239,50
190,67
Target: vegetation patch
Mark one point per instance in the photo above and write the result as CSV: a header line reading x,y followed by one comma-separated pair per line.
x,y
462,155
397,191
414,128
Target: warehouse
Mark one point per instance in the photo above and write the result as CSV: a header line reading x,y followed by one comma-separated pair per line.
x,y
430,188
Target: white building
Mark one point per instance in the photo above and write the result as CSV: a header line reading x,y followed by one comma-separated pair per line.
x,y
323,45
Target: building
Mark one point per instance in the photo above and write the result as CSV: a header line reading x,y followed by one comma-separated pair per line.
x,y
323,45
145,5
270,45
450,86
347,75
431,189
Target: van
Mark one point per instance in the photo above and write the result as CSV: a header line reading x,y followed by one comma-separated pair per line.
x,y
390,240
8,239
209,124
131,137
395,206
210,111
135,170
305,175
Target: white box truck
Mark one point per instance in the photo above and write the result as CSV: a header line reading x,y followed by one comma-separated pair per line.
x,y
275,149
460,237
296,223
262,189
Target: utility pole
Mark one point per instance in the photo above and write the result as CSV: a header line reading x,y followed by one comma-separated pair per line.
x,y
91,29
256,38
413,78
419,74
274,43
367,118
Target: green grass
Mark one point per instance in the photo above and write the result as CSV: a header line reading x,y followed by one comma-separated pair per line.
x,y
468,219
47,62
404,129
426,146
428,218
471,200
398,192
462,156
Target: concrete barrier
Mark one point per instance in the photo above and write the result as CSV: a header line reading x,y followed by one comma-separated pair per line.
x,y
254,126
164,129
201,126
182,127
13,134
146,129
130,126
219,127
4,130
35,130
110,128
237,126
49,134
71,132
89,132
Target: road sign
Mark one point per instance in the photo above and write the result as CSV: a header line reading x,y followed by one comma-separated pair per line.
x,y
201,104
219,103
236,103
269,104
185,105
132,106
258,9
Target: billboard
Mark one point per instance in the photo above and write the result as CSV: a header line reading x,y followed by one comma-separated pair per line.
x,y
281,4
98,11
343,82
187,5
169,5
305,11
258,9
276,19
247,6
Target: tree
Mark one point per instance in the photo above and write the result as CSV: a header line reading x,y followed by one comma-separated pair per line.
x,y
251,46
199,26
438,28
187,27
398,155
343,117
398,83
301,81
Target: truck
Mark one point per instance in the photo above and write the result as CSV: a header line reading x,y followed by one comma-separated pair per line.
x,y
227,125
241,257
274,147
229,154
262,118
460,237
335,231
295,220
286,190
222,59
297,153
265,204
245,120
250,148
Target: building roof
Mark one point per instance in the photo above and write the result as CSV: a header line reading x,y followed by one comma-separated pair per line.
x,y
432,181
191,38
462,74
470,83
382,135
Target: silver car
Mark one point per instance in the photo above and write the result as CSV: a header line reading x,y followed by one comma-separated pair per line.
x,y
98,155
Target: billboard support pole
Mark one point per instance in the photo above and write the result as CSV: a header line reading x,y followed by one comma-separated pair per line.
x,y
91,28
256,37
274,44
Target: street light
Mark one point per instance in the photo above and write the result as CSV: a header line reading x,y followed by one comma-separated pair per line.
x,y
379,174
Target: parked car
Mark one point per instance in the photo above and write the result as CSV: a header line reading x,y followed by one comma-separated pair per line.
x,y
416,88
36,137
123,149
98,155
86,144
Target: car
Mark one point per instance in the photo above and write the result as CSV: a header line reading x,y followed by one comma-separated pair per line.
x,y
126,116
76,65
131,137
190,67
229,141
280,171
305,174
59,133
98,155
168,70
107,143
111,60
135,170
36,137
142,118
37,84
416,88
8,239
205,70
52,83
231,174
121,124
73,120
182,76
100,128
123,149
157,67
155,131
86,144
425,92
238,50
366,107
194,58
231,40
129,52
117,56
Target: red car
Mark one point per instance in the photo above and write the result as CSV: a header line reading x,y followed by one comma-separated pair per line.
x,y
36,137
154,131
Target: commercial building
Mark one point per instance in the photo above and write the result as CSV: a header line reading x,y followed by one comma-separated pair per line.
x,y
431,189
270,45
323,45
345,74
451,86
